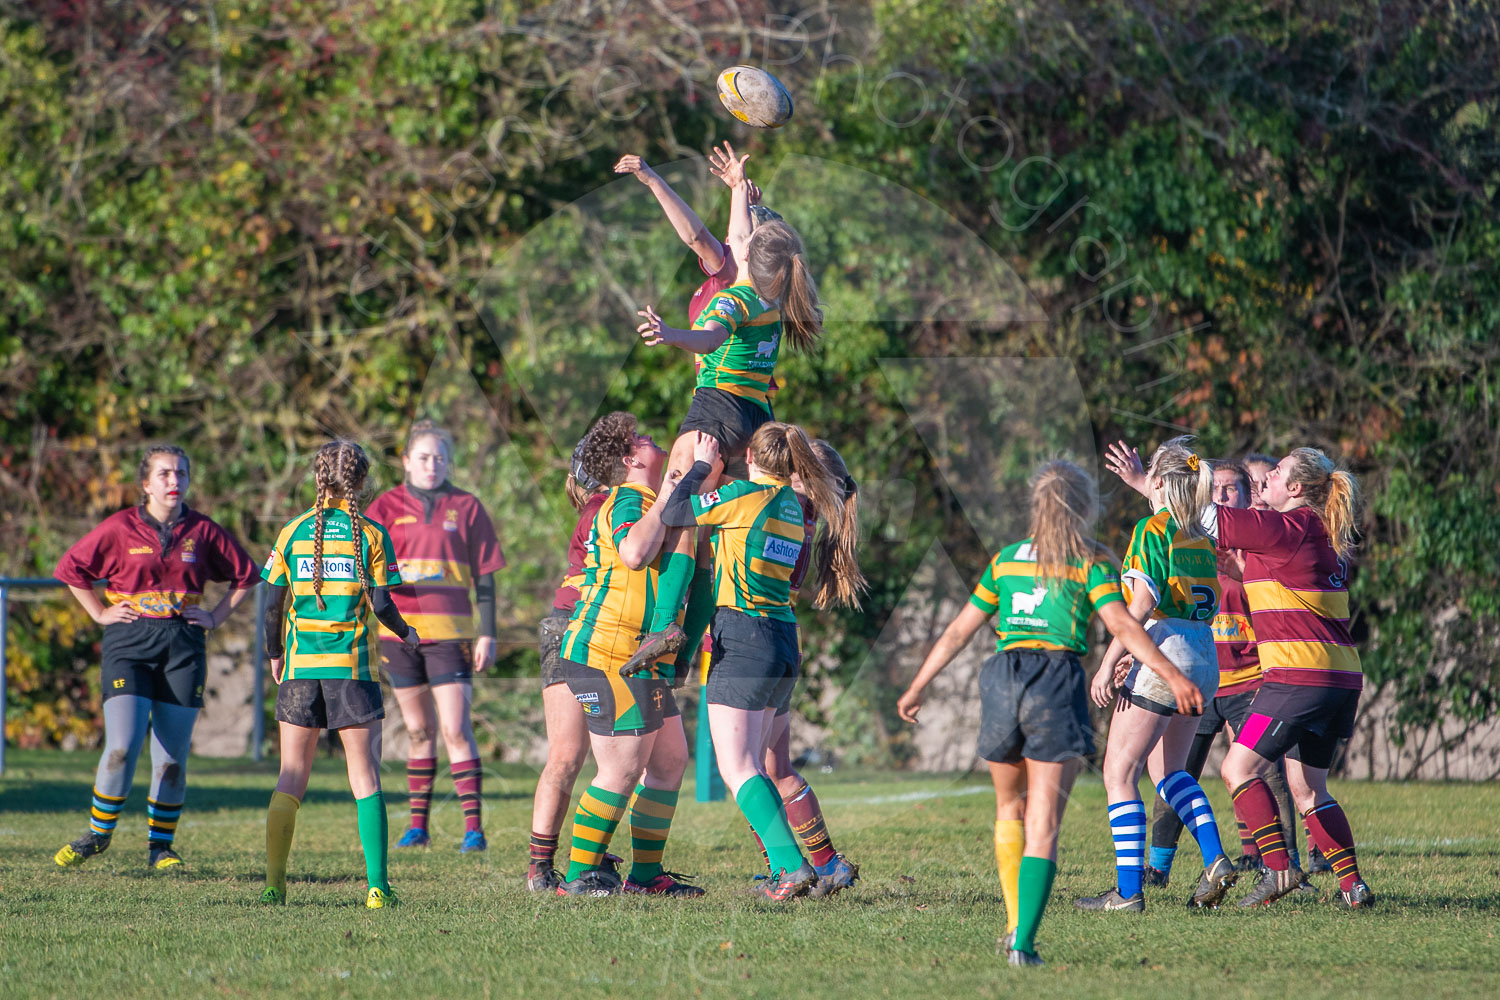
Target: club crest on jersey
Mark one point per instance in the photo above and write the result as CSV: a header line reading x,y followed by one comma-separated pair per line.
x,y
710,498
189,553
334,567
450,520
782,551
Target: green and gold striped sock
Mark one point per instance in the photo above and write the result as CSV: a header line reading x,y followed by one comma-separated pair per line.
x,y
650,822
599,812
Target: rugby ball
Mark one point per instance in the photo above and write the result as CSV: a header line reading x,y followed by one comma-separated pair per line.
x,y
755,97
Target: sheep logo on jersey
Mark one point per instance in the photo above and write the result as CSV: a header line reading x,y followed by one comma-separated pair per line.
x,y
1026,604
767,348
334,567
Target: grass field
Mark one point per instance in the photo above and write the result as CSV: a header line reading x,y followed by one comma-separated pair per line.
x,y
922,922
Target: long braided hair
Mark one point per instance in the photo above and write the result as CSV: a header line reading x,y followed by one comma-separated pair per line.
x,y
339,471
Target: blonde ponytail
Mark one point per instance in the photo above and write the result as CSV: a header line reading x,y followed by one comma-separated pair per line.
x,y
1331,492
1187,483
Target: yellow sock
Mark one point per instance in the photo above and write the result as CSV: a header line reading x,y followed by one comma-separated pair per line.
x,y
281,821
1009,841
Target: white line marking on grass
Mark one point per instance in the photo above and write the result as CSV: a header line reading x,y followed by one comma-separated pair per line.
x,y
1426,841
881,800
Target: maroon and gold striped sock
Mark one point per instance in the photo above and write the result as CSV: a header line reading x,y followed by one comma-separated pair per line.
x,y
1255,806
419,775
1330,828
466,782
806,818
543,851
1247,842
764,854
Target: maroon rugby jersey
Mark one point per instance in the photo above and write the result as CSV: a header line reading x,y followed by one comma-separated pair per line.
x,y
440,557
127,551
1234,638
578,550
1297,589
804,558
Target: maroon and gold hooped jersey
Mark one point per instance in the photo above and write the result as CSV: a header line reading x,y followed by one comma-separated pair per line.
x,y
1298,591
159,583
440,556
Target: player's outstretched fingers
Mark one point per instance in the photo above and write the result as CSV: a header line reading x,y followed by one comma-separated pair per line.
x,y
650,330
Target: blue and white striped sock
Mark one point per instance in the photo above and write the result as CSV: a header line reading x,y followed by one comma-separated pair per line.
x,y
1186,798
1127,824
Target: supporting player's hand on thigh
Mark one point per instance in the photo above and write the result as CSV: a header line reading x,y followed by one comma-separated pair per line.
x,y
705,448
276,670
484,653
412,639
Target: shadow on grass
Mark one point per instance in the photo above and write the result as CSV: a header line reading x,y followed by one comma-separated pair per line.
x,y
69,797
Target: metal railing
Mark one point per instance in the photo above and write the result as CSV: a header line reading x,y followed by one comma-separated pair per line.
x,y
258,655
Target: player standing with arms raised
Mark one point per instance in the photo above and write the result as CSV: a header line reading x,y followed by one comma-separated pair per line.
x,y
156,557
1171,586
1296,580
446,547
737,339
1035,726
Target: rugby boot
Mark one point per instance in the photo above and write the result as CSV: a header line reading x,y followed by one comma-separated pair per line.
x,y
415,837
840,873
163,858
473,841
1155,878
1272,885
665,884
788,885
652,648
543,879
1248,863
272,896
1023,958
1112,900
1357,897
1214,883
1316,863
594,882
381,899
81,850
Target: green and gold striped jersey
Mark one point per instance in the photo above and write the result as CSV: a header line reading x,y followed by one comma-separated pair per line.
x,y
1036,613
760,534
614,601
743,364
1182,573
338,642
